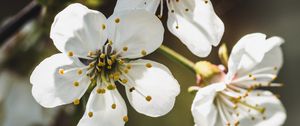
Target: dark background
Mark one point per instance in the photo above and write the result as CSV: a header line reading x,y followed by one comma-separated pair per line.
x,y
273,17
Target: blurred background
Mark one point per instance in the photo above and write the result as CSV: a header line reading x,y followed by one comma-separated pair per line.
x,y
24,48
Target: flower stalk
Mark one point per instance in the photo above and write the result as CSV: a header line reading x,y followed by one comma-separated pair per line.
x,y
177,57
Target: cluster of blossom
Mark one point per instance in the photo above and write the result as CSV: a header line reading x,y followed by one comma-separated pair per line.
x,y
99,53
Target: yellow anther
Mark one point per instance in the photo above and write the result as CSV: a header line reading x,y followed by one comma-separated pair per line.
x,y
143,52
103,26
111,76
91,65
108,67
76,83
148,65
113,57
109,62
90,114
126,71
121,62
250,75
116,77
76,102
114,106
100,64
117,20
148,98
79,71
125,48
90,53
92,79
111,87
100,91
102,55
110,42
124,81
61,71
117,74
125,118
236,123
235,107
70,53
128,66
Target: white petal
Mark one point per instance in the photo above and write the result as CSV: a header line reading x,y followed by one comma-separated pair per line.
x,y
101,107
19,103
149,5
274,114
52,89
78,29
198,27
203,109
253,53
156,82
137,30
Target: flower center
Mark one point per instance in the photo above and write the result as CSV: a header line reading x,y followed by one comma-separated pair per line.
x,y
104,64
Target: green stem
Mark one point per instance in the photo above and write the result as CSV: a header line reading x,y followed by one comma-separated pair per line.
x,y
177,57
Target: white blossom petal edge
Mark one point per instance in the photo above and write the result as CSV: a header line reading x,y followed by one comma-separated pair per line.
x,y
97,53
254,62
194,22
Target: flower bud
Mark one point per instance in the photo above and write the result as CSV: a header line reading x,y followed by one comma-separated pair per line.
x,y
206,70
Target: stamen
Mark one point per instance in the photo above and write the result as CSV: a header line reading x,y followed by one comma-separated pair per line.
x,y
76,83
124,81
125,119
102,56
101,91
76,102
61,71
70,53
125,48
79,71
148,98
117,20
143,52
90,53
111,87
90,114
148,65
114,106
103,26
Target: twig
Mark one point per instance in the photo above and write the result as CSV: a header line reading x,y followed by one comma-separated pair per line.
x,y
31,11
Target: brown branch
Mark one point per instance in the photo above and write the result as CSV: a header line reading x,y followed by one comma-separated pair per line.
x,y
14,24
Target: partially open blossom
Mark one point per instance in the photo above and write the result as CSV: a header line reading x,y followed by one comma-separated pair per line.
x,y
99,53
235,98
194,22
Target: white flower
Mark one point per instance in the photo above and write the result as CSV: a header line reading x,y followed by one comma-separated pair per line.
x,y
254,62
194,22
18,103
97,53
